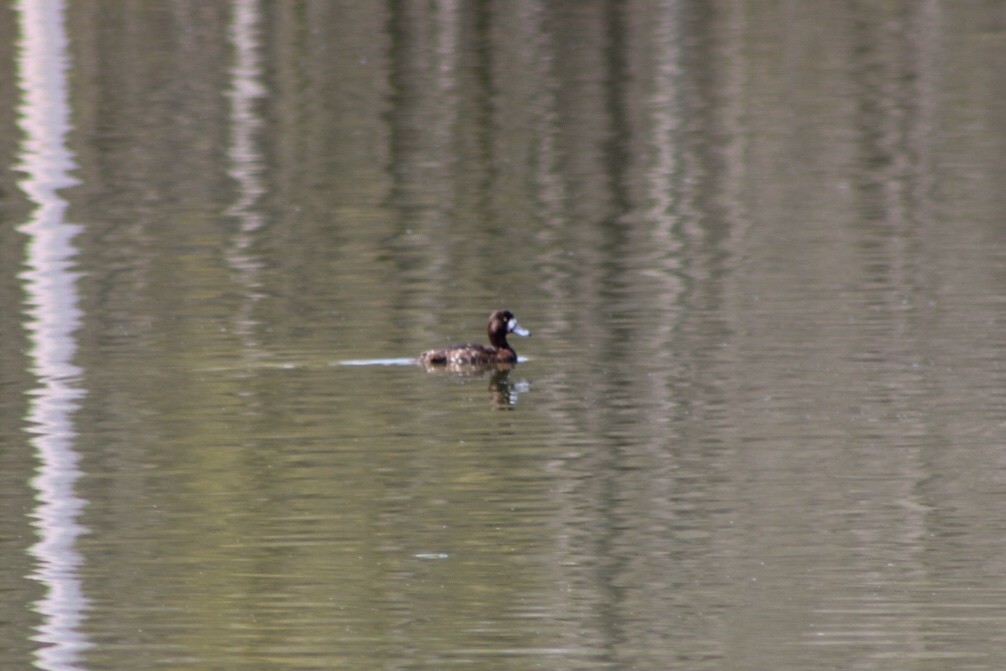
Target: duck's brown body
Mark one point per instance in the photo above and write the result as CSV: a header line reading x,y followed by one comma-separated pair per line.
x,y
501,322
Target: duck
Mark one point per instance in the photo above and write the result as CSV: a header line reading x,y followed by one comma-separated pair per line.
x,y
501,322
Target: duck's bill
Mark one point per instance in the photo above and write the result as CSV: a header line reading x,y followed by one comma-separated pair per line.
x,y
513,327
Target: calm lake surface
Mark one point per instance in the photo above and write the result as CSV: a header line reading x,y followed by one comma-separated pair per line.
x,y
761,421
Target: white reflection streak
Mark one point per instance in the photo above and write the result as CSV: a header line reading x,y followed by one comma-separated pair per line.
x,y
52,317
246,90
244,154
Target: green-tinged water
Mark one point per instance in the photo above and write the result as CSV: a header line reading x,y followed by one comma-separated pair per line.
x,y
761,423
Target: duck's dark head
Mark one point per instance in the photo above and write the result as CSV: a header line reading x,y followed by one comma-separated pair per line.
x,y
501,323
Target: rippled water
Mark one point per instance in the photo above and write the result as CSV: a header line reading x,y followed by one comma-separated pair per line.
x,y
760,423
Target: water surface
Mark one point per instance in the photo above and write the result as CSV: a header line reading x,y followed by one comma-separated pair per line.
x,y
761,420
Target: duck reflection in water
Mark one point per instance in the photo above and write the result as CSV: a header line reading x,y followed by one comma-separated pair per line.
x,y
503,391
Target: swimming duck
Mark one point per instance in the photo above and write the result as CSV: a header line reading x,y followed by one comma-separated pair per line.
x,y
501,322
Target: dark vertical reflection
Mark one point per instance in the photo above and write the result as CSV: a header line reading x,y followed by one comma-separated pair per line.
x,y
52,317
428,66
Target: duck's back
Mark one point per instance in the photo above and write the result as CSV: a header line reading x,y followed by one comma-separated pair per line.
x,y
468,354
